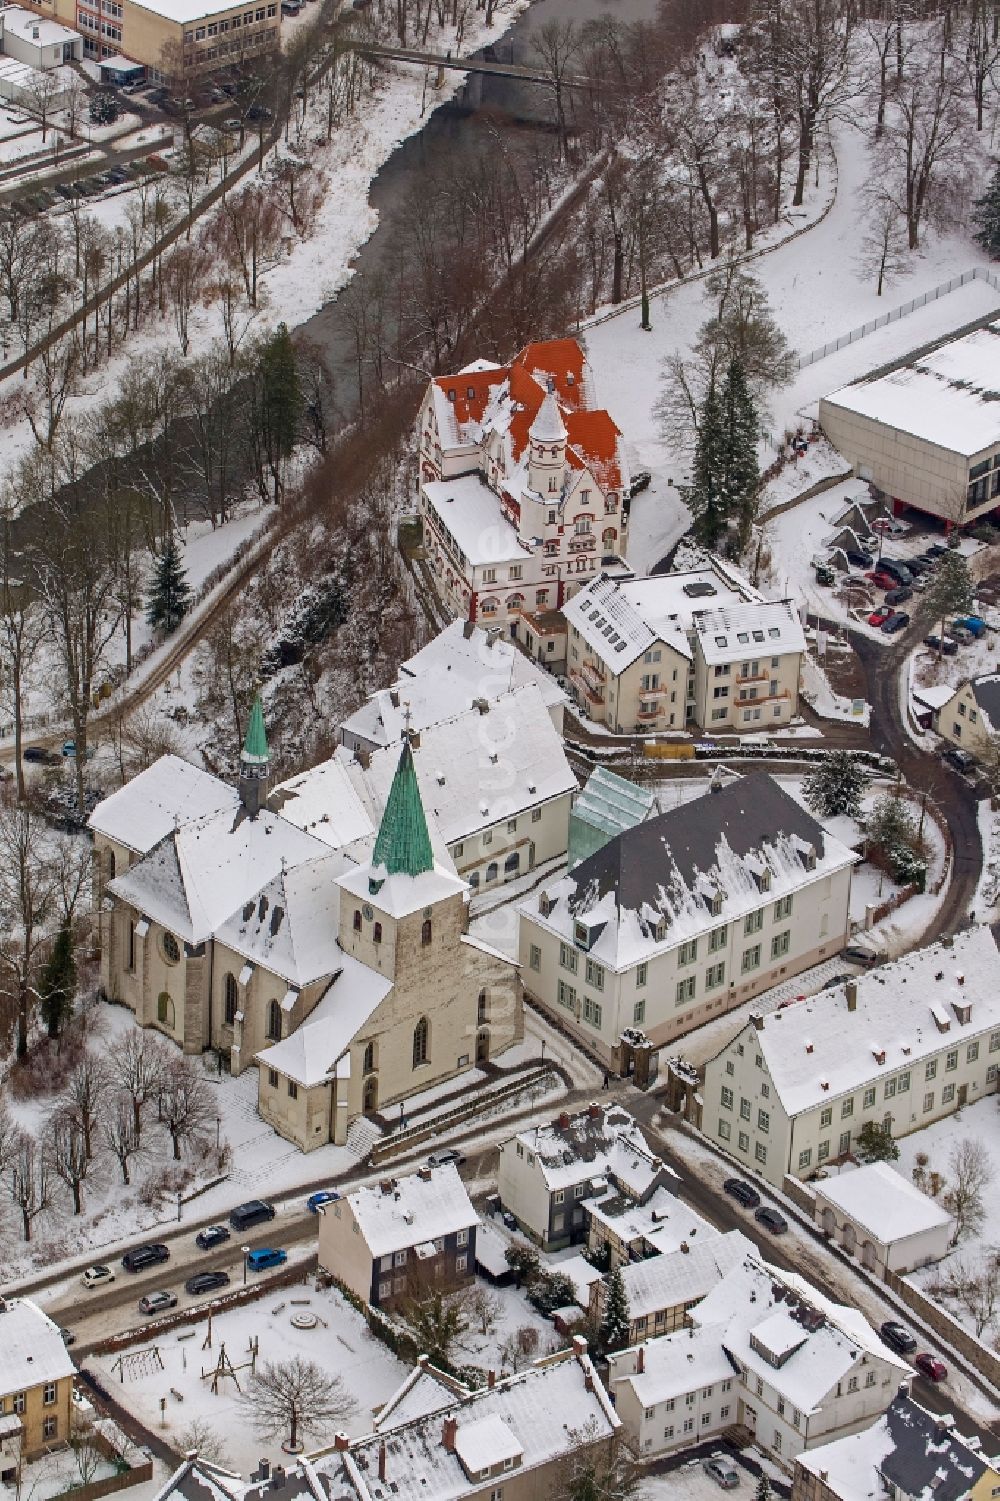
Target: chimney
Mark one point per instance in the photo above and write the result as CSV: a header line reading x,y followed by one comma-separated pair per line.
x,y
264,1469
449,1429
563,1120
423,1361
491,1380
594,1111
579,1346
851,992
424,1174
381,1461
386,1185
757,1020
341,1442
640,1360
588,1381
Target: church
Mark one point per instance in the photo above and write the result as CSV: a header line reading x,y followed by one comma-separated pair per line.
x,y
342,966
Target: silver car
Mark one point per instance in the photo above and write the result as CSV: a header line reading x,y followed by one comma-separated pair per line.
x,y
722,1471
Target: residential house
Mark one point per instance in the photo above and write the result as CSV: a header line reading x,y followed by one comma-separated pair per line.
x,y
877,1214
626,1227
927,433
765,1352
524,485
390,1242
685,916
512,1439
970,716
908,1453
904,1044
697,648
662,1289
36,1382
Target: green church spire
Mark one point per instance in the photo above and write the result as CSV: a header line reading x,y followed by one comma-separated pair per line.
x,y
255,749
403,845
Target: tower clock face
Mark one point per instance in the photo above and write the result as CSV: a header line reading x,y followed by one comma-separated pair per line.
x,y
367,912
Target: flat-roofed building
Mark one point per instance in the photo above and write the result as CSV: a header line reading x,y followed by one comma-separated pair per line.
x,y
175,40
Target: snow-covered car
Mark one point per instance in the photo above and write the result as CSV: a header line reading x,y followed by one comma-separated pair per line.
x,y
213,1235
96,1276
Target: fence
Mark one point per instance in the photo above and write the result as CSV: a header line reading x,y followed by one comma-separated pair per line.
x,y
949,1329
404,1138
978,273
131,1474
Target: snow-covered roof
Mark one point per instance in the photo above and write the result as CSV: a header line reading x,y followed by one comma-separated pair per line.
x,y
485,1442
185,11
326,801
904,1012
548,426
32,1349
491,1250
421,1207
290,928
310,1054
675,1364
707,862
593,1144
166,794
425,1390
30,26
469,513
581,1272
675,1278
197,1479
483,767
935,695
202,873
948,398
919,1454
663,1221
400,894
545,1407
883,1202
733,633
986,692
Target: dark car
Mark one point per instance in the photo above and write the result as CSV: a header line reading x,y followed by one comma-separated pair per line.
x,y
936,550
254,1212
38,755
743,1193
771,1220
213,1236
206,1282
919,565
899,596
897,1338
929,1366
834,981
945,645
897,622
258,112
858,559
960,759
899,570
141,1257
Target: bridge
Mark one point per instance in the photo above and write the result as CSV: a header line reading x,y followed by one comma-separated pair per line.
x,y
470,64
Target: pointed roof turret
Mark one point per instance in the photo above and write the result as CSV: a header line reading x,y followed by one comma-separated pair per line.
x,y
403,845
255,749
548,426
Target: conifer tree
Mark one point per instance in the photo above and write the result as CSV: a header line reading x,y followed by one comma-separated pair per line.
x,y
986,217
951,591
170,598
837,785
740,476
704,497
763,1491
57,984
614,1332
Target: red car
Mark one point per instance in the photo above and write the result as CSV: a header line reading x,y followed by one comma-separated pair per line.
x,y
882,613
882,580
929,1366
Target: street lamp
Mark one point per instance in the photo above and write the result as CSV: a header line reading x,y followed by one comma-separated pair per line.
x,y
218,1123
246,1253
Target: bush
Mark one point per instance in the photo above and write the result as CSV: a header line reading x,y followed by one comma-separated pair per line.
x,y
549,1291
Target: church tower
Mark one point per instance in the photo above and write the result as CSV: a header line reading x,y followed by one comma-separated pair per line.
x,y
255,762
547,451
403,845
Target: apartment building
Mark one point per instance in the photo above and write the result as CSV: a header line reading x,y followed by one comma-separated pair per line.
x,y
685,916
36,1381
904,1044
175,40
701,647
765,1351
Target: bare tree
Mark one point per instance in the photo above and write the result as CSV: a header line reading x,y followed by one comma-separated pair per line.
x,y
971,1169
485,1306
981,51
924,137
206,1441
557,45
85,1096
295,1399
978,1293
27,902
883,244
810,56
120,1132
41,97
137,1067
10,1137
185,1102
65,1153
21,631
30,1182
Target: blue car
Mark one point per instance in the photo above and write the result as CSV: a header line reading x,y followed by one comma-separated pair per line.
x,y
317,1200
265,1258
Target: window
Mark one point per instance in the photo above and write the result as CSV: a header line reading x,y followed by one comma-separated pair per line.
x,y
293,1090
357,920
171,948
50,1427
727,1098
852,1384
273,1021
870,1378
715,976
890,1088
164,1009
753,922
972,1052
638,1013
780,944
995,1042
641,974
745,1109
535,957
826,1116
823,1150
847,1108
49,1393
930,1072
377,933
568,958
724,1130
765,1091
566,995
760,1152
929,1100
744,1142
717,938
688,952
595,975
845,1143
425,932
805,1158
18,1406
903,1082
231,998
730,1067
536,813
272,1077
385,1289
751,958
951,1062
592,1012
130,954
869,1098
782,908
763,1120
947,1094
685,990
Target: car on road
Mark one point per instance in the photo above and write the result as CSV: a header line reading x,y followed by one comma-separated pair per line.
x,y
316,1201
206,1282
743,1193
38,755
771,1220
858,954
96,1276
936,550
442,1159
931,1367
944,644
882,613
259,112
722,1471
962,760
266,1257
214,1235
895,623
898,596
253,1212
68,1337
140,1257
897,1338
157,1302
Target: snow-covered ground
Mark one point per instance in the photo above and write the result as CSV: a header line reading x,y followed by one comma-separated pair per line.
x,y
987,902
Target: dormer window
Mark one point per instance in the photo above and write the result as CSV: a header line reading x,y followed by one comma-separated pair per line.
x,y
765,880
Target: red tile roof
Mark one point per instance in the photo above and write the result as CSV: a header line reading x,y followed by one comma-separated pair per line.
x,y
557,358
595,437
471,408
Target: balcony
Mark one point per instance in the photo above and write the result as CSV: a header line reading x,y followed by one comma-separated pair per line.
x,y
646,716
593,693
582,542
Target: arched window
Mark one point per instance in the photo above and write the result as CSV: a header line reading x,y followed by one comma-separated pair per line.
x,y
357,919
425,932
171,948
491,871
273,1022
368,1063
482,1009
474,880
421,1038
232,997
609,534
512,864
165,1010
482,1046
369,1103
377,932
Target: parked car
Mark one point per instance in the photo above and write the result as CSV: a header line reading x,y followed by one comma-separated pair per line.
x,y
267,1256
897,568
962,636
895,623
897,1338
825,575
857,559
882,613
206,1282
140,1257
442,1159
258,112
881,580
744,1193
771,1220
834,981
96,1276
858,954
215,1235
962,760
722,1471
39,756
973,624
254,1212
945,645
898,596
317,1200
931,1367
157,1302
936,550
919,566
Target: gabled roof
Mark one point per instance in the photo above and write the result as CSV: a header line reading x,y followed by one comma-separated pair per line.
x,y
682,1276
883,1202
403,845
576,1148
986,691
328,801
311,1053
762,629
416,1209
290,927
171,792
32,1349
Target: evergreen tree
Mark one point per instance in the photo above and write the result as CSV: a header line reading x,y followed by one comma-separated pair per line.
x,y
704,497
614,1331
763,1491
875,1144
170,598
57,984
986,217
281,402
837,785
951,591
740,477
